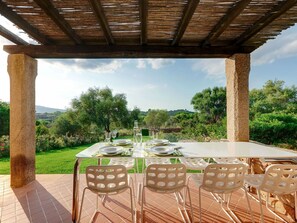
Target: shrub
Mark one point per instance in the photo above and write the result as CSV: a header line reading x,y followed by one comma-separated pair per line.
x,y
274,128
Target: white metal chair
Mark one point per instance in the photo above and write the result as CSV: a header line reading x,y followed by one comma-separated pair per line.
x,y
166,178
107,180
227,160
222,179
194,163
125,161
279,179
157,160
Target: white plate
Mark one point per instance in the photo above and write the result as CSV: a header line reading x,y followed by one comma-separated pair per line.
x,y
159,142
111,150
162,150
122,142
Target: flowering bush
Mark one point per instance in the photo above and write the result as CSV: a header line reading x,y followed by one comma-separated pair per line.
x,y
49,142
4,146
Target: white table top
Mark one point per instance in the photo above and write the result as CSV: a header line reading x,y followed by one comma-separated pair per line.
x,y
211,150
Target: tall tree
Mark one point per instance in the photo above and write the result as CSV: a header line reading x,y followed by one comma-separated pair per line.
x,y
156,118
273,97
210,104
101,107
4,118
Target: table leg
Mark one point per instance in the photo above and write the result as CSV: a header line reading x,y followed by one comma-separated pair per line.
x,y
75,191
295,198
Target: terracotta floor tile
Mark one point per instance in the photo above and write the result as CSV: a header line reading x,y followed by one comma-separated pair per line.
x,y
49,199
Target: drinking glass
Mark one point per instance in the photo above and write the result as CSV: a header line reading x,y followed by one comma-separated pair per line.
x,y
138,140
107,137
114,134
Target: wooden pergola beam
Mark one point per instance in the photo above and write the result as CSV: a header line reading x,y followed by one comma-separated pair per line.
x,y
143,12
187,15
23,24
124,51
59,20
226,20
268,18
11,36
100,15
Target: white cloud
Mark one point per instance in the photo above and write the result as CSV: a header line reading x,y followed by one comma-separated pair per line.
x,y
283,46
141,64
213,68
100,66
155,64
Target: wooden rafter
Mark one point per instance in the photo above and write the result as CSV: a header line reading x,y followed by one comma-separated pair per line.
x,y
11,36
140,51
226,20
270,16
187,15
59,20
23,24
99,12
143,11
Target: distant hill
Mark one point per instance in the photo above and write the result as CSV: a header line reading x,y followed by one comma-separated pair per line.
x,y
170,112
43,109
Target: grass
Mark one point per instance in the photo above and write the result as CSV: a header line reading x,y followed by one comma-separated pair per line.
x,y
59,161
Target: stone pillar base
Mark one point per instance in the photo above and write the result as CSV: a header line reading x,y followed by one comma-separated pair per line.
x,y
22,71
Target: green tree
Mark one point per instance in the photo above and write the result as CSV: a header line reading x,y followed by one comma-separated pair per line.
x,y
4,118
101,107
41,127
273,97
67,124
155,118
210,105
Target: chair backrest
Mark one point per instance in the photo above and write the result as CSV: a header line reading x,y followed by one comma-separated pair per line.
x,y
165,178
280,179
223,178
107,179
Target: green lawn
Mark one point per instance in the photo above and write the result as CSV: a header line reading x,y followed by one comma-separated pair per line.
x,y
56,161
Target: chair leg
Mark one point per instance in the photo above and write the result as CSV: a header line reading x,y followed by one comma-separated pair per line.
x,y
260,202
132,206
200,204
249,204
190,200
267,206
81,205
142,201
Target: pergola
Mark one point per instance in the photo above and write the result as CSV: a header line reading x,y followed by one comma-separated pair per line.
x,y
230,29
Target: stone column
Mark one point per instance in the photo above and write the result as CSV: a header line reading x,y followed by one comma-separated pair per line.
x,y
237,73
22,70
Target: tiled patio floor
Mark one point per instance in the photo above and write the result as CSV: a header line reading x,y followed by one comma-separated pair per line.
x,y
49,199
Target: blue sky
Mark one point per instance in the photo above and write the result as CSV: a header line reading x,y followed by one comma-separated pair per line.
x,y
153,83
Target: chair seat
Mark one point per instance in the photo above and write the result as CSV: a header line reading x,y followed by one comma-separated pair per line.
x,y
226,160
157,160
194,163
125,161
254,180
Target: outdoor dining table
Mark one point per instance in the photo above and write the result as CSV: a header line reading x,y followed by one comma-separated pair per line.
x,y
187,149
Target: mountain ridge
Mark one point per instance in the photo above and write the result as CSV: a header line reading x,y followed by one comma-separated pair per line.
x,y
44,109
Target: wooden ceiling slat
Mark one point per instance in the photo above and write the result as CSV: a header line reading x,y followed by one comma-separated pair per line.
x,y
23,24
54,14
99,12
273,14
11,36
143,10
140,51
206,27
187,15
226,20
